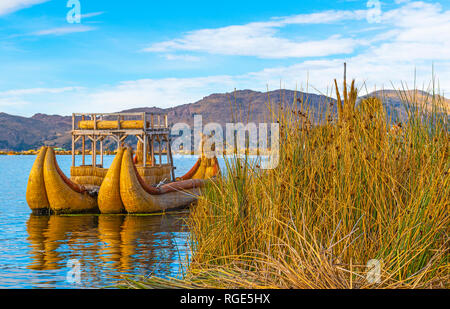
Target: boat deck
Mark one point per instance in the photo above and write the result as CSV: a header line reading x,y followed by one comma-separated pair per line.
x,y
149,128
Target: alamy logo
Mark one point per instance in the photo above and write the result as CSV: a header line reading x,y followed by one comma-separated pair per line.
x,y
74,274
212,140
374,12
373,271
74,15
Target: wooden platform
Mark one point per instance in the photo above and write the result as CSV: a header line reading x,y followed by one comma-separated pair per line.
x,y
155,130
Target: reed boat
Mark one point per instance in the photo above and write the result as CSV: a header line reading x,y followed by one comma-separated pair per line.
x,y
139,184
138,197
123,189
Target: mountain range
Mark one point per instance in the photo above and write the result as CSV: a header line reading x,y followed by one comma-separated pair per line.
x,y
22,133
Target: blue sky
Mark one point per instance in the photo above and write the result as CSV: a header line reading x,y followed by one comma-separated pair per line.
x,y
126,54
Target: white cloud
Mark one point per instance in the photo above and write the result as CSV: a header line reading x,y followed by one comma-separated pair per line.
x,y
228,42
165,92
21,92
318,74
325,17
417,30
16,99
420,31
10,6
416,35
93,14
12,103
186,58
63,30
260,38
169,92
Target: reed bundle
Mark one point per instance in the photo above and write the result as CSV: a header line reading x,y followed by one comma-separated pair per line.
x,y
111,125
154,174
36,195
88,175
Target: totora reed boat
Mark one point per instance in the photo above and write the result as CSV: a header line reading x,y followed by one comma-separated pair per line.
x,y
130,185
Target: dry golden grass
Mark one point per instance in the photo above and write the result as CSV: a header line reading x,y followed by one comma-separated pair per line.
x,y
346,191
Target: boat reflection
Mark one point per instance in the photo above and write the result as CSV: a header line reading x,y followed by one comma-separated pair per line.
x,y
109,246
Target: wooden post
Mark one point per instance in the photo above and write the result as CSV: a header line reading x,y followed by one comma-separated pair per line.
x,y
144,155
94,142
94,118
73,140
83,150
170,159
94,151
144,139
345,73
153,148
160,150
73,150
83,146
101,152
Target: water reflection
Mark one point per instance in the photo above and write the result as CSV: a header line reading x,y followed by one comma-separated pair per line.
x,y
108,246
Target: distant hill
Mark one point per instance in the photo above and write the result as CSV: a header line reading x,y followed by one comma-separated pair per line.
x,y
394,101
21,133
243,105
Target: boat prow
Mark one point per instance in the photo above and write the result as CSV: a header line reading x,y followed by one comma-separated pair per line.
x,y
36,195
204,168
65,196
109,201
138,197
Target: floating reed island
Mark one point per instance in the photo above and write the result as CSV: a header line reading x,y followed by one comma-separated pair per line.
x,y
135,182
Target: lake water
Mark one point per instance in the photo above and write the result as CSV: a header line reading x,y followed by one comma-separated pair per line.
x,y
35,250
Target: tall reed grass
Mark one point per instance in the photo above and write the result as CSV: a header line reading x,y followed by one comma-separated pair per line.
x,y
346,191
